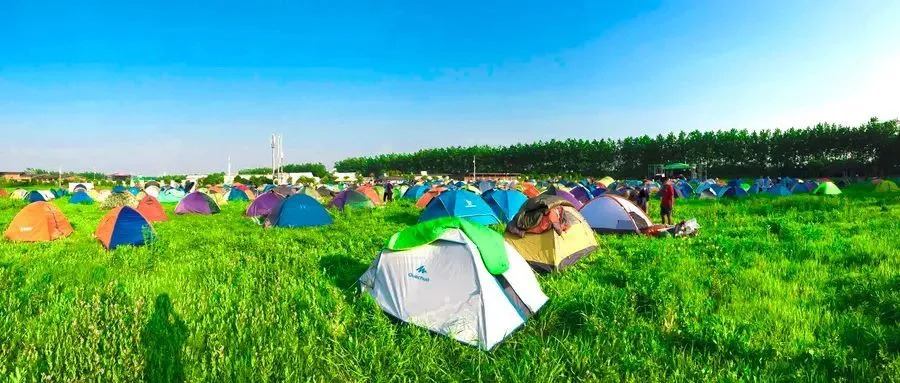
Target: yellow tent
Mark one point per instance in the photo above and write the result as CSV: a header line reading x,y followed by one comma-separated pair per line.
x,y
887,186
18,194
606,181
550,251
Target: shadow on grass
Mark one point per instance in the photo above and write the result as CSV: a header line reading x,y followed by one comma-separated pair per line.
x,y
342,270
162,339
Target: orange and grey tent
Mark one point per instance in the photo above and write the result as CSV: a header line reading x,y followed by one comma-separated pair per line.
x,y
369,192
430,195
38,222
150,208
124,226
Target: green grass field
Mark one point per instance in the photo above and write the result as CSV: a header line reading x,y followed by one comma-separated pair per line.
x,y
796,288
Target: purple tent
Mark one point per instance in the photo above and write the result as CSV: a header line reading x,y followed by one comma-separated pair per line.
x,y
197,203
581,194
569,197
264,204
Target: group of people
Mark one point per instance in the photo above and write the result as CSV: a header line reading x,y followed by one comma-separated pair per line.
x,y
666,204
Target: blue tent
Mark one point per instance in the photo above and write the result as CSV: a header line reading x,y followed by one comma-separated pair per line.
x,y
733,192
415,192
133,190
720,190
685,188
460,204
505,203
236,194
756,188
703,186
779,190
298,210
598,192
124,226
485,186
35,196
119,189
798,186
81,197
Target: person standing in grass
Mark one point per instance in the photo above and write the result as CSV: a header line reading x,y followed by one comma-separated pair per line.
x,y
668,202
643,195
388,192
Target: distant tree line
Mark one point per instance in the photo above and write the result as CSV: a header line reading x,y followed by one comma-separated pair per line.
x,y
317,169
872,149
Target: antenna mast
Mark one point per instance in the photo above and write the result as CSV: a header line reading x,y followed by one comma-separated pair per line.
x,y
277,158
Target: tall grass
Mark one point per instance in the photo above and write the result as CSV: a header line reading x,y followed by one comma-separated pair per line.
x,y
796,288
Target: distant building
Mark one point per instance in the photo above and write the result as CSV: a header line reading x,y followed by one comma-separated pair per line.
x,y
119,177
15,176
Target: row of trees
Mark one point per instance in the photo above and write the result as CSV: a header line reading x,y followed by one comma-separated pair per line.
x,y
317,169
872,149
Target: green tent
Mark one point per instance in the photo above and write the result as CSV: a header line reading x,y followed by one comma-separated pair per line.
x,y
745,186
827,188
677,166
887,186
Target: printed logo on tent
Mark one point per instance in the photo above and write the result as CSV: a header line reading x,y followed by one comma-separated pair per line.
x,y
419,274
469,204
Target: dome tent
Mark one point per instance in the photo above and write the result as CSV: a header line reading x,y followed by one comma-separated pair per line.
x,y
576,203
38,222
486,289
19,194
150,208
170,196
371,194
887,186
35,196
779,190
551,249
237,194
298,210
505,203
197,203
415,192
734,192
351,198
264,204
124,226
613,214
81,197
460,204
827,188
429,195
581,193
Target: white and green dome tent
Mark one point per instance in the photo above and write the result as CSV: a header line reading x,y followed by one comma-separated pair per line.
x,y
455,278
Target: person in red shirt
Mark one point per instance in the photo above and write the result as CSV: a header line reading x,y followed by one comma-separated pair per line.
x,y
668,202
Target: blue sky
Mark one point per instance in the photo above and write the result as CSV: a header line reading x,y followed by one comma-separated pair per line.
x,y
164,86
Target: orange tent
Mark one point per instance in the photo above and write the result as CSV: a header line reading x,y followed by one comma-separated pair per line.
x,y
429,195
368,191
3,193
217,189
38,222
530,191
150,208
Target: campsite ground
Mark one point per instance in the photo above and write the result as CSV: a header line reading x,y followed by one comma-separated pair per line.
x,y
792,288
